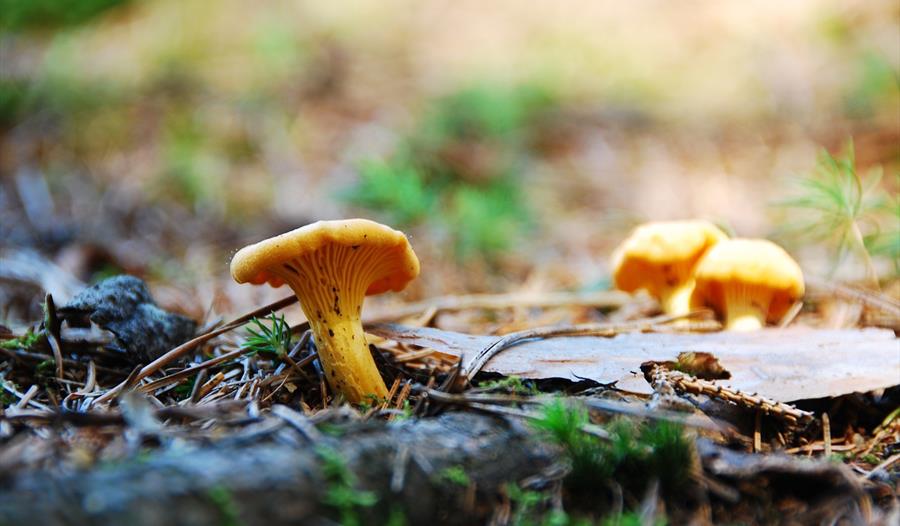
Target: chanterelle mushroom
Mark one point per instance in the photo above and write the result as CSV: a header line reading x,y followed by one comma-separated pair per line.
x,y
331,266
660,258
748,282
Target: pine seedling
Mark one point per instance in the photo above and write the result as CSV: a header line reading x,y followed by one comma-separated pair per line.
x,y
272,338
849,212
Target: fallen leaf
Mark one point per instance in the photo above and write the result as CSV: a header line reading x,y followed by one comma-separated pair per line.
x,y
783,364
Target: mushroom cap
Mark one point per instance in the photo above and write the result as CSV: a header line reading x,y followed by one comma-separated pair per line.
x,y
657,246
748,263
254,263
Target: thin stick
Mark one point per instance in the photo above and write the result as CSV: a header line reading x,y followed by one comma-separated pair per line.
x,y
607,406
875,300
53,335
757,432
826,433
884,465
604,298
588,329
189,371
189,346
6,387
29,394
391,393
19,354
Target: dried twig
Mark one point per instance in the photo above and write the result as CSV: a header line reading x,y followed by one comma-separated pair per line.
x,y
685,383
871,299
886,463
606,406
191,345
504,301
52,327
588,329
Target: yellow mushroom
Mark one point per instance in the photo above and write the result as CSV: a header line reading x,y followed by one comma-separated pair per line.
x,y
747,282
660,258
331,266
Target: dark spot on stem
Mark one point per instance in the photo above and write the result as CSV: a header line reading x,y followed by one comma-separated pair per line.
x,y
331,333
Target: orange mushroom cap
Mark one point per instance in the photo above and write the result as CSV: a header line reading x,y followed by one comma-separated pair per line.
x,y
747,281
264,261
660,257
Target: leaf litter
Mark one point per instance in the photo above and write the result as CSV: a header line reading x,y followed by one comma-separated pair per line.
x,y
733,390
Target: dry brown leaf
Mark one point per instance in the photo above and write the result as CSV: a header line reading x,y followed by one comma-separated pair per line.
x,y
783,364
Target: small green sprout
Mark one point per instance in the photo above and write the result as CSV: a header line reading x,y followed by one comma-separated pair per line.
x,y
183,390
406,412
631,519
226,503
26,341
849,212
371,401
274,338
44,368
455,475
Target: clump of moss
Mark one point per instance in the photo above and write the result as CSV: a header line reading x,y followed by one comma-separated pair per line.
x,y
633,456
510,384
341,493
455,475
26,341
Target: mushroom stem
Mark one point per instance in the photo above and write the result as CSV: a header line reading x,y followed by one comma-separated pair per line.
x,y
744,319
345,357
746,307
677,300
332,302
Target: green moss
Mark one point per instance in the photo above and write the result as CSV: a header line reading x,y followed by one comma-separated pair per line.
x,y
634,455
26,341
630,519
530,508
455,475
228,507
406,412
340,493
510,384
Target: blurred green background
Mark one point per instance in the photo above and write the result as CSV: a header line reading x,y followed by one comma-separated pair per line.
x,y
516,141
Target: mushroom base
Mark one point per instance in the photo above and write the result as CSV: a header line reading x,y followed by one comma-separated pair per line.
x,y
746,307
677,300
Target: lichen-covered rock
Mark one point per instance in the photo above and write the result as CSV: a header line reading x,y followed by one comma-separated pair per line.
x,y
123,306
